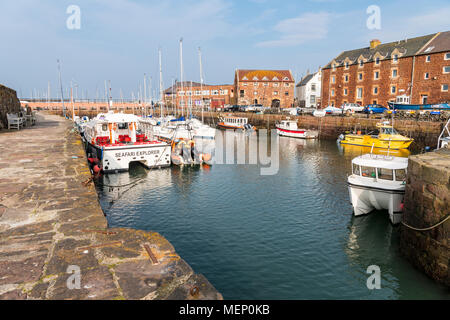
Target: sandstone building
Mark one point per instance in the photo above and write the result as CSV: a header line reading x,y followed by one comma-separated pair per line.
x,y
271,88
417,69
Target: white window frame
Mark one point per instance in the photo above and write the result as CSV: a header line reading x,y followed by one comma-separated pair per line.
x,y
447,56
395,91
442,87
443,69
392,73
374,73
426,76
359,89
428,59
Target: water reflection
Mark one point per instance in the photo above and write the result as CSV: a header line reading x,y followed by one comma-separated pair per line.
x,y
355,151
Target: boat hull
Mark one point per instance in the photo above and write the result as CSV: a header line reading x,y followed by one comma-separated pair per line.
x,y
118,159
369,141
223,126
365,199
301,134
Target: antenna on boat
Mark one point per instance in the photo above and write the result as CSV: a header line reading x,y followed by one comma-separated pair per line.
x,y
161,96
201,80
181,76
145,94
60,85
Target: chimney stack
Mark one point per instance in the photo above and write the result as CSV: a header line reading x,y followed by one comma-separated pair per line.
x,y
374,43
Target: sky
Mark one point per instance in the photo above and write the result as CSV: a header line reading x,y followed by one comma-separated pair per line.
x,y
118,40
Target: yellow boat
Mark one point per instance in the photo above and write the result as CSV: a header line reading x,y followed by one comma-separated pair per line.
x,y
387,138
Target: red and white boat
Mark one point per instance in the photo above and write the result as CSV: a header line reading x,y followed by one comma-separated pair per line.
x,y
288,128
114,140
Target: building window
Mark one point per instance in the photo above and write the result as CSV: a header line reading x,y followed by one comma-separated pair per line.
x,y
286,93
375,90
333,68
255,84
376,75
313,87
275,84
361,63
332,92
444,87
333,79
241,93
346,78
447,56
244,84
394,73
286,84
312,99
360,76
426,75
393,89
265,84
215,92
395,58
359,93
345,91
255,93
180,93
377,61
428,59
346,65
446,69
275,93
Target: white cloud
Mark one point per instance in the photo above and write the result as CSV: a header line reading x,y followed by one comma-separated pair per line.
x,y
295,31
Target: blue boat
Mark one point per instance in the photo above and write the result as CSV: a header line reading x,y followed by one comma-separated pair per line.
x,y
409,107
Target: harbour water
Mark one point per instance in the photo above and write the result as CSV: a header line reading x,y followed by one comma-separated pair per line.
x,y
285,236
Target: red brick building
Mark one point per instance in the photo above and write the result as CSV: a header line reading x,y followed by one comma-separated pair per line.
x,y
417,68
267,87
191,93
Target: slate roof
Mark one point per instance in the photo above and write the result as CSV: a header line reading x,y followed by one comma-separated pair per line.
x,y
406,48
441,43
187,85
305,80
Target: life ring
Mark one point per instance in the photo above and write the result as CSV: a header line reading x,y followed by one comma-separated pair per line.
x,y
130,126
191,143
115,126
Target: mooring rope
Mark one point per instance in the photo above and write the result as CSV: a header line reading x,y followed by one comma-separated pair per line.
x,y
426,229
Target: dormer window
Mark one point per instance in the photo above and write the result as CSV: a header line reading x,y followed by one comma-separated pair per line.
x,y
346,65
447,56
395,58
377,60
286,79
274,79
361,63
255,78
244,78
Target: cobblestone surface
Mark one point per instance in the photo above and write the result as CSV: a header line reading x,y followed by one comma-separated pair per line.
x,y
49,220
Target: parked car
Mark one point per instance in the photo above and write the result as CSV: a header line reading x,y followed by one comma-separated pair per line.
x,y
333,110
375,108
231,108
352,108
255,108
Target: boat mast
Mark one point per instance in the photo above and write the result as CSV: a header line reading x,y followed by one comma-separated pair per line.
x,y
109,96
161,95
71,101
62,92
181,76
201,79
48,96
145,94
150,93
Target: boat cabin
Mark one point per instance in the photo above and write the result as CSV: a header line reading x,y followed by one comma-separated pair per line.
x,y
380,168
235,121
288,124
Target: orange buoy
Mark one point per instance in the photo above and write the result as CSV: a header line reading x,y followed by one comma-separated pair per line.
x,y
97,169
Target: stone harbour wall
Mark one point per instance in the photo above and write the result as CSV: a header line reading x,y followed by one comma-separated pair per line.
x,y
427,202
8,104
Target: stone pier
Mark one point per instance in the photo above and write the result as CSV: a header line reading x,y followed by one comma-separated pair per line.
x,y
427,203
53,231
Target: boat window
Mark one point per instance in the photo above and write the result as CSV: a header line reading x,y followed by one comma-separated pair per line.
x,y
368,172
389,131
385,174
400,174
122,126
104,127
356,170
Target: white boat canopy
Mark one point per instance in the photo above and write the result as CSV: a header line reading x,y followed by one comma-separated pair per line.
x,y
381,161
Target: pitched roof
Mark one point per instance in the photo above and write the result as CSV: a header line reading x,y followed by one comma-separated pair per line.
x,y
187,85
259,75
440,43
305,80
407,47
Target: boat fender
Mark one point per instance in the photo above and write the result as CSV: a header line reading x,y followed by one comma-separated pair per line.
x,y
96,169
191,142
341,137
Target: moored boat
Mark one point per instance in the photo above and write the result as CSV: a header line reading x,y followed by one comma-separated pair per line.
x,y
289,128
378,182
114,140
234,123
386,137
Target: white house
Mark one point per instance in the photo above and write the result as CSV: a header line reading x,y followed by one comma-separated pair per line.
x,y
307,91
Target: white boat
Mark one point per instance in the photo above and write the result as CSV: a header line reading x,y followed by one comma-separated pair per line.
x,y
234,123
288,128
319,113
114,140
444,137
378,182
